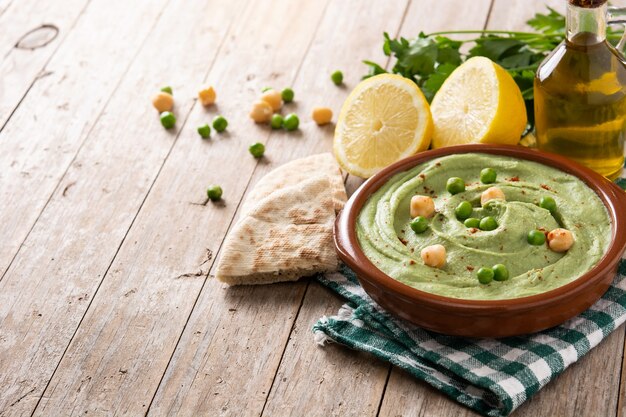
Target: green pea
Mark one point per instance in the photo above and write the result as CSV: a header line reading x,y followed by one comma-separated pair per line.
x,y
220,124
257,149
214,192
500,273
485,275
488,223
287,94
277,121
548,203
472,222
463,210
419,224
337,77
291,122
168,120
455,185
488,176
167,89
536,237
204,131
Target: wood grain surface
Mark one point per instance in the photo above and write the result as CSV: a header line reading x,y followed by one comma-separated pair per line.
x,y
108,306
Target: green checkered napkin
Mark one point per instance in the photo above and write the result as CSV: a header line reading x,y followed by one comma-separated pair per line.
x,y
491,376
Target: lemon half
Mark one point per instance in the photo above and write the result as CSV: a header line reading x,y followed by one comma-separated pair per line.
x,y
384,119
479,102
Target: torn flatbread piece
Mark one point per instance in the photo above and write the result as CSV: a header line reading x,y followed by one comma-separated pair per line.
x,y
286,227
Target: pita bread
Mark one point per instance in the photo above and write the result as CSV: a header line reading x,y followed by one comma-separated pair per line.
x,y
295,172
286,227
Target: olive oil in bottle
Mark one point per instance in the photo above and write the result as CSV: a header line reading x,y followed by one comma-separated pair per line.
x,y
580,94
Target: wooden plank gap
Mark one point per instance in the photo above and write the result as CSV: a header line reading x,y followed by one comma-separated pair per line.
x,y
382,397
620,407
282,354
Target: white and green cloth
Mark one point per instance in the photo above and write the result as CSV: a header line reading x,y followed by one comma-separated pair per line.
x,y
491,376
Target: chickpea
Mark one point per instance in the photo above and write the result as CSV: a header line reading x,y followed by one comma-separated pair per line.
x,y
322,115
261,112
163,102
207,95
434,256
491,193
422,205
273,98
560,240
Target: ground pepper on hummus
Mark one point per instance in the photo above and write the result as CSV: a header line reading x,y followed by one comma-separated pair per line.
x,y
387,239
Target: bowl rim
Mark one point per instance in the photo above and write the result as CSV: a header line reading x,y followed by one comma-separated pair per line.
x,y
349,250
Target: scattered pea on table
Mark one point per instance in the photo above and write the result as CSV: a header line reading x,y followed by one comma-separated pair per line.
x,y
214,192
277,121
257,149
337,77
287,95
167,89
220,123
455,185
204,131
168,120
291,121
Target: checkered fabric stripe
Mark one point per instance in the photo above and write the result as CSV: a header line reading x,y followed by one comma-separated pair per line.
x,y
491,376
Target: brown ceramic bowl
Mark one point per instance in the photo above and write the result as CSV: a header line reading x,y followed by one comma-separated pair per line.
x,y
485,318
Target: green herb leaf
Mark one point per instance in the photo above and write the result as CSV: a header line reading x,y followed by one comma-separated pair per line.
x,y
435,81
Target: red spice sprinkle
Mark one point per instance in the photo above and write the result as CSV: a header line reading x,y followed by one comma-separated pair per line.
x,y
470,268
404,242
411,262
438,164
514,179
545,187
473,230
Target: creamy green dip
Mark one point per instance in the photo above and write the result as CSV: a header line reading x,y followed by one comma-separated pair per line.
x,y
387,240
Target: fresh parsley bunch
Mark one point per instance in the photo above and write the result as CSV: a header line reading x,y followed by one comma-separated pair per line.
x,y
430,58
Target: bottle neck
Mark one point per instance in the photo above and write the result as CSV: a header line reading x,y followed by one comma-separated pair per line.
x,y
590,21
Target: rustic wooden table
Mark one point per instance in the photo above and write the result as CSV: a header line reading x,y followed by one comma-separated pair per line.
x,y
107,302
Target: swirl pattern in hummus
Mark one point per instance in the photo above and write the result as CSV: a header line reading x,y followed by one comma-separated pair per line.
x,y
387,240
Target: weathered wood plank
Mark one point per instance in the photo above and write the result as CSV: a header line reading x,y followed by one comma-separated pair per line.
x,y
28,39
45,132
589,387
129,333
225,362
50,284
345,391
621,398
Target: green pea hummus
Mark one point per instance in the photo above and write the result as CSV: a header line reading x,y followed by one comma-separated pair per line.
x,y
387,239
